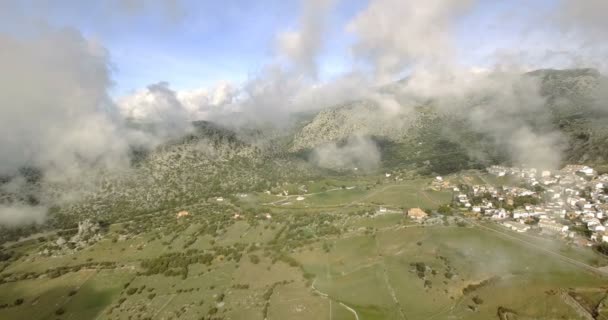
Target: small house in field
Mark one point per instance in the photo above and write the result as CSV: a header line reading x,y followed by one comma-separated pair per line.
x,y
416,214
182,213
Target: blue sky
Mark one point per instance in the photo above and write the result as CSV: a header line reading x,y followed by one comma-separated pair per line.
x,y
202,42
211,41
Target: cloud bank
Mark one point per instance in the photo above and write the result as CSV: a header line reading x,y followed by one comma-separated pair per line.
x,y
395,34
55,110
56,114
355,152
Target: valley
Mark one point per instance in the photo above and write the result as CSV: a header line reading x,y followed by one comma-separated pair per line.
x,y
346,250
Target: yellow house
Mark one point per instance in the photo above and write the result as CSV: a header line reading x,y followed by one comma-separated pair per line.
x,y
416,213
182,214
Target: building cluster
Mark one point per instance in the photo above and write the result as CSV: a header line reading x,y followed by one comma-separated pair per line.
x,y
440,184
574,198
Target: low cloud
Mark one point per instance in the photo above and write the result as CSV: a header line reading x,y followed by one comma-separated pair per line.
x,y
16,215
302,47
158,103
355,152
56,113
56,117
506,107
585,18
393,35
499,102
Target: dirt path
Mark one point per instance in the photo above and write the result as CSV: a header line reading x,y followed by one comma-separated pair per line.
x,y
391,290
424,194
285,198
351,310
164,306
326,296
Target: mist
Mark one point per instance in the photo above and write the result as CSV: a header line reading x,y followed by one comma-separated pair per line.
x,y
498,101
356,153
57,114
16,215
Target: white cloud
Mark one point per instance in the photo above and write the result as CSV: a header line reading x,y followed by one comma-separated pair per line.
x,y
53,96
201,103
158,103
303,46
18,215
395,34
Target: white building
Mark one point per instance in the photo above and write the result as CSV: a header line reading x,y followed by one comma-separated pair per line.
x,y
516,226
552,226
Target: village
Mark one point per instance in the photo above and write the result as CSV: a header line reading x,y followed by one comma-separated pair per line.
x,y
571,203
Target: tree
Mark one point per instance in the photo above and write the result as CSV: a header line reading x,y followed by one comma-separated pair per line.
x,y
445,209
254,259
602,248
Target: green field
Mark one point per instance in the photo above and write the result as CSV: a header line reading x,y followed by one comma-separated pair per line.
x,y
330,256
402,194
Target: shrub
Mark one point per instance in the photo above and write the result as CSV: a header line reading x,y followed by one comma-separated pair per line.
x,y
254,259
212,310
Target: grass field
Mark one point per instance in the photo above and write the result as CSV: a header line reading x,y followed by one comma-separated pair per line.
x,y
325,257
383,266
402,194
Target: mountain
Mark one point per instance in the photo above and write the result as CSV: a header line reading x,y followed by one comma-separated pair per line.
x,y
578,101
572,106
215,160
340,122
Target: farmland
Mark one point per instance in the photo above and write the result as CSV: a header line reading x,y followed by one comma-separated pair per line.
x,y
331,255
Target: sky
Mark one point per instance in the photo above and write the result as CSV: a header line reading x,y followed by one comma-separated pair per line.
x,y
186,43
192,43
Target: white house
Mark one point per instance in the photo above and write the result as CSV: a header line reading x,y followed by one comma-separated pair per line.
x,y
500,214
588,171
516,226
552,226
518,214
